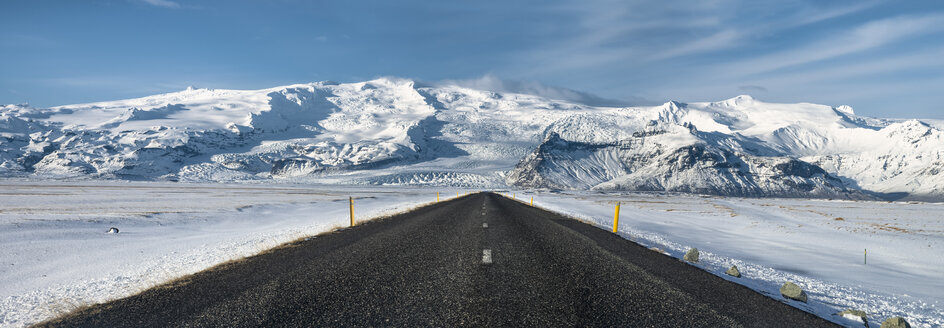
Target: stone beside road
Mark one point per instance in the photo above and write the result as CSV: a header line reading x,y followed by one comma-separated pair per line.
x,y
793,292
896,322
691,255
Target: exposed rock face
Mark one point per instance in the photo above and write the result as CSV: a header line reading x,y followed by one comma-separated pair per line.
x,y
896,322
792,291
691,255
295,167
733,271
646,162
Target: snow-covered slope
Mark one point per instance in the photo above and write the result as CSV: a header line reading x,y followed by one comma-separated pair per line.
x,y
665,161
396,131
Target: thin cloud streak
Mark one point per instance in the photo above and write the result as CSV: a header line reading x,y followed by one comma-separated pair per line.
x,y
816,15
721,40
864,37
162,3
925,60
491,82
610,35
732,37
752,88
604,33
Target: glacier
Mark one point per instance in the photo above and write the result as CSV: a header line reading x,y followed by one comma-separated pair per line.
x,y
393,131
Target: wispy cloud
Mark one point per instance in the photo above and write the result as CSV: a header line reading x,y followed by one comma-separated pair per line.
x,y
864,37
752,88
161,3
811,15
722,40
491,82
599,33
614,35
923,60
734,34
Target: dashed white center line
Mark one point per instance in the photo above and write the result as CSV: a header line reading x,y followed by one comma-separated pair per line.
x,y
486,256
485,225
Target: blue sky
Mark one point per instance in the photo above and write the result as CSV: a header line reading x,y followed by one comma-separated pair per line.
x,y
884,58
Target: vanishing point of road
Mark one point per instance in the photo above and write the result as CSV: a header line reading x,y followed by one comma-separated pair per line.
x,y
479,260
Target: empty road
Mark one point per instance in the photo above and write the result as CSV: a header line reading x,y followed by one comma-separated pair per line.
x,y
479,260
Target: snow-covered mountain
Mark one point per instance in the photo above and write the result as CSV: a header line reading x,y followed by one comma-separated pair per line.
x,y
395,131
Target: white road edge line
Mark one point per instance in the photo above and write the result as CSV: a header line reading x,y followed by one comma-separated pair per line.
x,y
486,256
484,224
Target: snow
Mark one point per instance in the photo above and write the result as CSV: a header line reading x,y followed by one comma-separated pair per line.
x,y
205,110
817,244
326,132
56,253
852,317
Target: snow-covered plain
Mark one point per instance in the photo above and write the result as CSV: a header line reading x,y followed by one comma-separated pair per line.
x,y
55,254
817,244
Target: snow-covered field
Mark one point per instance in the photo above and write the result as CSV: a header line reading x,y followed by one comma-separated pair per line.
x,y
55,254
817,244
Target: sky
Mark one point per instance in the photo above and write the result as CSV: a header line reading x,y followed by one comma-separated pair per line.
x,y
883,58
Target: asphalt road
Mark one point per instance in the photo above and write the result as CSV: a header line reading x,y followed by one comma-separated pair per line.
x,y
428,268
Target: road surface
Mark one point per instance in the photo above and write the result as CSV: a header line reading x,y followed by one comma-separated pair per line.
x,y
479,260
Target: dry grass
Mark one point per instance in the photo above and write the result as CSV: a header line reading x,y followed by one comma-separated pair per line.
x,y
659,250
64,306
889,227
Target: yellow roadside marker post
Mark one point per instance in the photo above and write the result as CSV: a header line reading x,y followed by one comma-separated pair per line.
x,y
616,217
532,201
437,197
351,203
457,194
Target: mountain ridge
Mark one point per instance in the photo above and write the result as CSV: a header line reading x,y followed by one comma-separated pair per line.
x,y
397,131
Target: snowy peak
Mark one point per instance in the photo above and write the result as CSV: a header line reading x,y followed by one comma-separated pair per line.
x,y
672,112
736,102
911,130
847,110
